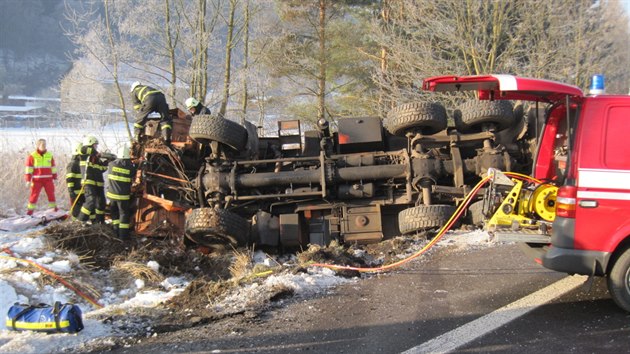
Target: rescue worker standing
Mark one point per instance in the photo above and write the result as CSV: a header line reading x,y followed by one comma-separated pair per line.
x,y
195,107
73,181
147,100
40,172
93,184
120,177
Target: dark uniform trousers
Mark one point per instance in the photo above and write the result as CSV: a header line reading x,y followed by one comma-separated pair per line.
x,y
154,102
93,186
73,182
120,177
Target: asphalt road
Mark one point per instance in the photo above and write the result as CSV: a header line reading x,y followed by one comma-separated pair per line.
x,y
441,294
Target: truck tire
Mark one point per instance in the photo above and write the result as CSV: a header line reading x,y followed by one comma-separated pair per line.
x,y
424,217
216,227
475,215
619,281
205,128
426,118
472,116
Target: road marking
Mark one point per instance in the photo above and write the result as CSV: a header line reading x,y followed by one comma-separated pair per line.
x,y
472,330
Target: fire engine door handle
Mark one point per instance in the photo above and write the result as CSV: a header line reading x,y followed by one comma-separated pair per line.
x,y
588,203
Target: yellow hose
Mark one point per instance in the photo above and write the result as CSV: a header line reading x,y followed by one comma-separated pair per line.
x,y
437,237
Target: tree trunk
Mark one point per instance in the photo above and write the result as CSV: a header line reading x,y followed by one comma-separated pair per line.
x,y
321,84
245,97
228,59
121,98
171,52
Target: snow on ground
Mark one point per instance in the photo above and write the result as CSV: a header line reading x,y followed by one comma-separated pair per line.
x,y
23,284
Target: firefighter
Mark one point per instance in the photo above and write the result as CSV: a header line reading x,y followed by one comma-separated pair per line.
x,y
146,100
73,181
92,182
120,177
40,172
195,107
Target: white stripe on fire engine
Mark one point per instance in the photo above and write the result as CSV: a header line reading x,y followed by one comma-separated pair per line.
x,y
603,195
609,179
506,82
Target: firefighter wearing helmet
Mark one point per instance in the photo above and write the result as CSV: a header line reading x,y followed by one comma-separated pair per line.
x,y
147,100
120,177
195,107
92,182
73,181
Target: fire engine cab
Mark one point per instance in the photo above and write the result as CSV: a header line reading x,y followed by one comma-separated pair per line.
x,y
582,149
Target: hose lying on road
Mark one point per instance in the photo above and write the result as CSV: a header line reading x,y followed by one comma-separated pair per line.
x,y
456,215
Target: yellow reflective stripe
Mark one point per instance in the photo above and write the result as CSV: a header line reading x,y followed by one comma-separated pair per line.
x,y
99,212
89,181
70,184
97,166
121,170
37,325
137,106
139,95
115,222
54,169
118,178
30,206
136,125
85,211
113,196
28,170
73,175
83,163
142,95
123,226
166,126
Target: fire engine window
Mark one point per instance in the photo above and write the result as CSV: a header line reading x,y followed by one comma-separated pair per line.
x,y
616,142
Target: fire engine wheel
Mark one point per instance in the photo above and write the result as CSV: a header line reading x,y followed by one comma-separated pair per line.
x,y
207,128
424,217
476,116
619,281
216,228
426,118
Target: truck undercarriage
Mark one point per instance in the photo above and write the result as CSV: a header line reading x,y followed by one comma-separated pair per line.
x,y
221,184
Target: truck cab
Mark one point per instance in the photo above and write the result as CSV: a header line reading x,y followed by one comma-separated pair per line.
x,y
581,149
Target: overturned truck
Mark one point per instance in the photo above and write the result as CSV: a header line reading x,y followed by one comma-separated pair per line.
x,y
222,184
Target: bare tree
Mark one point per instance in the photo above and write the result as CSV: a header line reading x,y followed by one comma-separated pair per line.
x,y
97,41
561,40
230,43
245,69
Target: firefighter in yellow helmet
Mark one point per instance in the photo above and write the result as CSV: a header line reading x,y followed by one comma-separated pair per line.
x,y
93,185
195,107
147,100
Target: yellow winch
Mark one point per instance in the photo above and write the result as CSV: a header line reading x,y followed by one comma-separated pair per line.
x,y
522,206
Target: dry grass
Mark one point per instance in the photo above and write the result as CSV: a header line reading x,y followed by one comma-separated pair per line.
x,y
124,272
13,190
242,265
